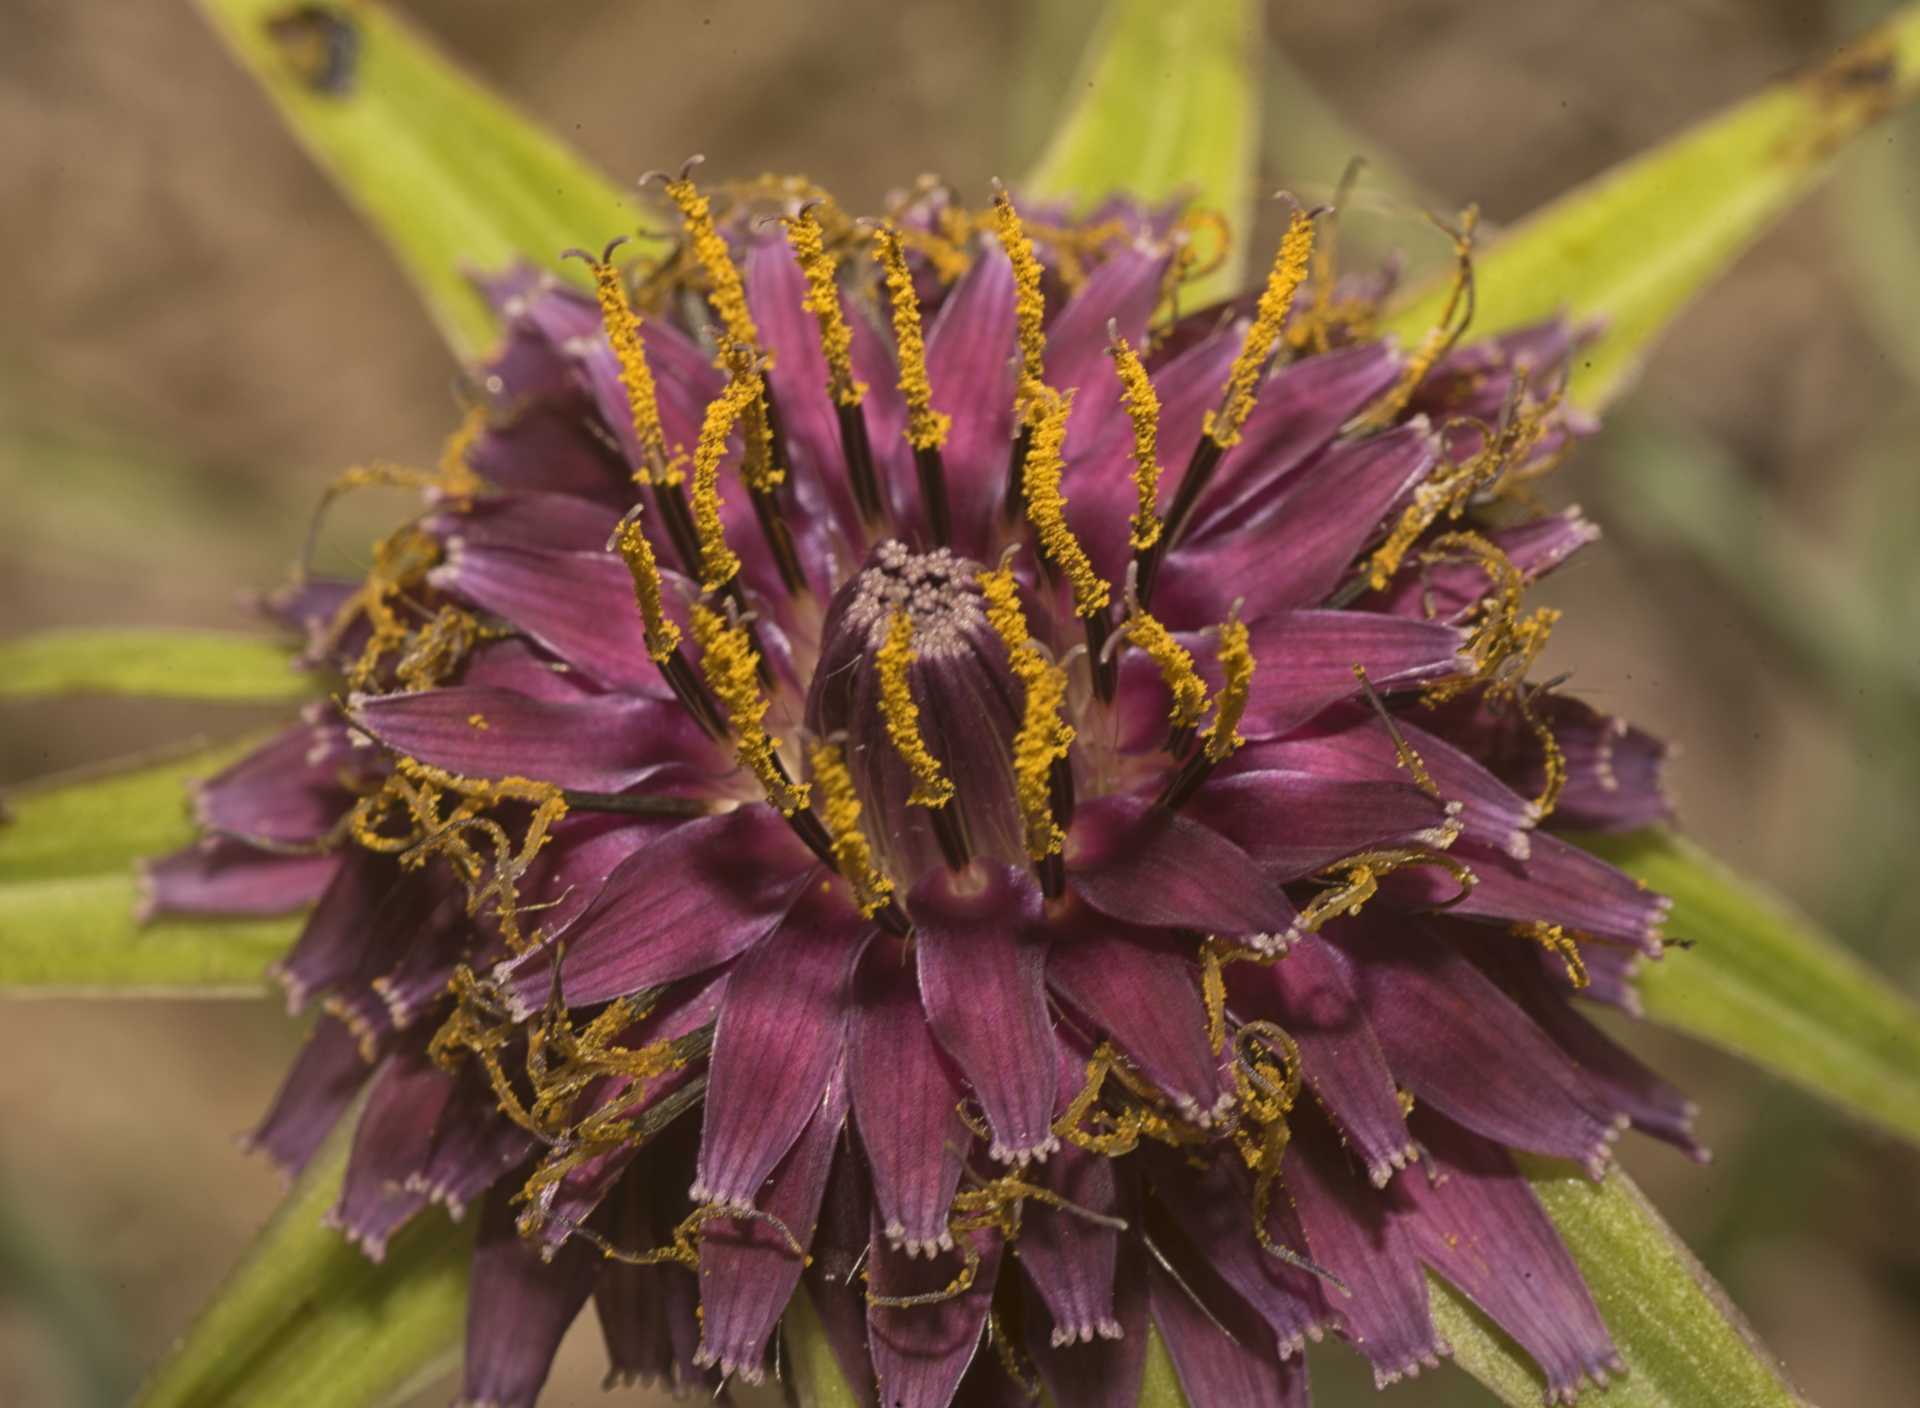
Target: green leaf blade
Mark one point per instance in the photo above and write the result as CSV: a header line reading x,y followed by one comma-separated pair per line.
x,y
1764,983
1634,245
306,1318
1167,105
452,179
222,665
1681,1339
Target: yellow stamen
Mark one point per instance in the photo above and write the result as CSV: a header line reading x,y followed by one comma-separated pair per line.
x,y
823,301
457,478
718,562
840,814
1143,409
663,636
932,787
926,427
1029,305
1043,740
757,468
1002,592
1556,940
1236,661
1047,506
724,291
732,668
1176,667
622,326
1243,381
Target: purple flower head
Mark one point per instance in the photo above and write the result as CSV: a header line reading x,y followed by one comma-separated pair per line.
x,y
897,758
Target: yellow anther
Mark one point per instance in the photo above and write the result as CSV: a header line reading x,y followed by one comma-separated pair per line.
x,y
1176,667
823,301
457,477
718,562
1289,271
1143,409
1047,506
1043,740
622,326
732,668
1454,318
839,809
1004,613
932,787
926,427
1236,662
1556,940
663,636
1029,306
724,289
757,468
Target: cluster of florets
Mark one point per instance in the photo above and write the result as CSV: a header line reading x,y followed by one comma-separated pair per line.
x,y
806,803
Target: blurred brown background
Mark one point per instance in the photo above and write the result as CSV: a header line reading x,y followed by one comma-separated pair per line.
x,y
199,334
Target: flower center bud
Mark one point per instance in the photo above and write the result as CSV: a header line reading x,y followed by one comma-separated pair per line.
x,y
914,683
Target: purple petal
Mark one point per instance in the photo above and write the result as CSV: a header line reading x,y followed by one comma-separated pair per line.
x,y
699,896
1311,995
780,1035
474,1146
226,878
1446,590
749,1268
1306,539
905,1101
405,1103
548,448
1069,1258
920,1353
1103,1371
833,1277
1350,1233
528,522
517,1311
1137,987
1142,863
649,1315
1305,659
1296,823
1479,1225
357,929
1214,1365
1463,1046
277,792
579,605
1301,408
605,743
1123,289
982,980
970,350
325,1077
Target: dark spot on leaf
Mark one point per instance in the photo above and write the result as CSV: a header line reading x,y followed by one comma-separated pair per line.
x,y
321,44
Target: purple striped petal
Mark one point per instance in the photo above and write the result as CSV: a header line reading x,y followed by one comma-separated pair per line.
x,y
920,1353
1296,823
982,980
519,1307
1301,408
605,743
650,1315
970,362
1139,862
474,1147
1447,589
833,1281
905,1101
749,1268
1479,1225
699,896
1137,987
1071,1259
222,877
1463,1046
1311,994
325,1077
1221,1363
277,793
1350,1232
1305,659
1558,884
1306,538
516,664
548,448
1104,1371
405,1103
528,521
356,929
579,605
780,1035
1123,289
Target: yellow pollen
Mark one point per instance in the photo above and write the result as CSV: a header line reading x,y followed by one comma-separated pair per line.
x,y
1043,740
1047,506
840,814
1002,591
732,668
902,716
1236,661
718,562
1029,305
725,292
926,427
622,326
1454,318
1176,668
457,479
757,468
1556,940
1143,409
823,301
663,636
1243,381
